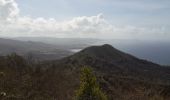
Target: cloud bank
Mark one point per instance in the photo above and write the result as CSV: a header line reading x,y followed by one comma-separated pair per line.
x,y
13,24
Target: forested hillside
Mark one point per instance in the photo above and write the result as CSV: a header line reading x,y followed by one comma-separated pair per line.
x,y
119,75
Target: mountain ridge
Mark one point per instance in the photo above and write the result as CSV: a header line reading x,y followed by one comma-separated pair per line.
x,y
108,59
58,79
37,50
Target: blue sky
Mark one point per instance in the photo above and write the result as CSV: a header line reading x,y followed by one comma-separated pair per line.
x,y
130,11
89,18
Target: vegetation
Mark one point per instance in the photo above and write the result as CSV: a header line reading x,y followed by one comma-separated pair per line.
x,y
89,88
120,76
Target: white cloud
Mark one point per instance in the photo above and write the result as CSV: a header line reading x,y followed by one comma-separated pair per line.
x,y
12,24
8,9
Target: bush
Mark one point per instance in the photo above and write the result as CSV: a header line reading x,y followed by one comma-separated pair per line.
x,y
89,88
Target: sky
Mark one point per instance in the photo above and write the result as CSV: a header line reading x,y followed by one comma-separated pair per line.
x,y
117,19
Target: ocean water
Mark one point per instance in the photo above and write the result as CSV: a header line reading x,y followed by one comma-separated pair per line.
x,y
154,51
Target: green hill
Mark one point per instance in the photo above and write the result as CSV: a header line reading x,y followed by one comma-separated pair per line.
x,y
120,75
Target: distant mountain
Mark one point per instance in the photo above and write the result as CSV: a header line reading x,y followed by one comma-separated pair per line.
x,y
62,43
152,50
110,60
37,50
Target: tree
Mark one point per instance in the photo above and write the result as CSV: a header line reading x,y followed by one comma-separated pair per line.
x,y
89,88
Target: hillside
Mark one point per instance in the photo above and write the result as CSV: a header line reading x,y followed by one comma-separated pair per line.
x,y
37,50
120,75
110,60
62,43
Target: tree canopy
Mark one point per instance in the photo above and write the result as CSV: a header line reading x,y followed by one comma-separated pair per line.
x,y
89,88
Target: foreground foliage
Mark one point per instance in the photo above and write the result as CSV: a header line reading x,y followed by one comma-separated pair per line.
x,y
89,88
22,80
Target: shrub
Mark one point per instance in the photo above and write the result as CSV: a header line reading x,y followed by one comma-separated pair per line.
x,y
89,88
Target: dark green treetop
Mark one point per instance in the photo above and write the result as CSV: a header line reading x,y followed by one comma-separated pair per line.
x,y
89,88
